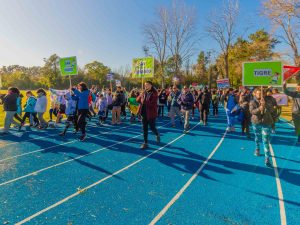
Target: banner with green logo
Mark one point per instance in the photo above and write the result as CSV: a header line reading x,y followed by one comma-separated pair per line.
x,y
262,73
68,66
143,67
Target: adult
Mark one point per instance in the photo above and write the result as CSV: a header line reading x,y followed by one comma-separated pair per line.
x,y
204,103
186,101
162,100
231,101
175,107
261,111
10,108
81,94
295,108
117,102
148,111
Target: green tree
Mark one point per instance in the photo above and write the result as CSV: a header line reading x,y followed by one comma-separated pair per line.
x,y
95,72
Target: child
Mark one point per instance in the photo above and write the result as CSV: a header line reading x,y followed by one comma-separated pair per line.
x,y
29,109
40,107
102,106
71,112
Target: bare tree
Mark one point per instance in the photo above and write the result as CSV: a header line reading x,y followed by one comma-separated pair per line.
x,y
221,27
285,14
182,33
157,37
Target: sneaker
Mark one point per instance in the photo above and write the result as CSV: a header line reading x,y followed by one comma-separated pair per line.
x,y
158,138
75,131
82,137
62,134
144,146
205,124
273,131
267,162
173,125
185,131
257,152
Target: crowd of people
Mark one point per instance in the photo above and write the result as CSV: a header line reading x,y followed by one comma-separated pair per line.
x,y
250,108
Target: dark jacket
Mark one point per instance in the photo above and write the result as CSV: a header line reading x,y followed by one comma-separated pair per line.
x,y
162,98
258,117
174,97
10,102
244,103
148,106
118,98
296,101
186,100
204,99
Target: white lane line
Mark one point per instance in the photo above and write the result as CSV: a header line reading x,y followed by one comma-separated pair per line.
x,y
100,181
65,143
279,189
37,138
188,183
289,123
67,161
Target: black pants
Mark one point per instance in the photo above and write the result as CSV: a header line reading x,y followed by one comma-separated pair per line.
x,y
215,110
71,119
151,124
17,117
53,111
81,123
123,110
204,113
246,125
296,119
27,115
161,110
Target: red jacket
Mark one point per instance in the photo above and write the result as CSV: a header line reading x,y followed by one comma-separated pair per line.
x,y
150,102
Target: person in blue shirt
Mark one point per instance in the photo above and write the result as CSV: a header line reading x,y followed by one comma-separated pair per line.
x,y
82,94
29,109
231,102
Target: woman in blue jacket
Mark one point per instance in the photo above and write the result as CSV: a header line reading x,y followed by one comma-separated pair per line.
x,y
82,94
29,109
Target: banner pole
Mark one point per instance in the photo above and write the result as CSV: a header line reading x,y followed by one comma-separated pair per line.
x,y
142,83
70,81
110,85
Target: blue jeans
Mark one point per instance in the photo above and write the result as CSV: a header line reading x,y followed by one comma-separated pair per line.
x,y
263,133
230,119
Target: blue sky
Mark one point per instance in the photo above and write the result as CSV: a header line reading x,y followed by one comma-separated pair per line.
x,y
106,30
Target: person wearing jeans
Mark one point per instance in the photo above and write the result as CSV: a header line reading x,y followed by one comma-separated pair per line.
x,y
148,111
175,107
231,102
186,101
10,108
261,111
40,107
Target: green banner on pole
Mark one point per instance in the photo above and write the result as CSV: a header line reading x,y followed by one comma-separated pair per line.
x,y
262,73
143,67
68,66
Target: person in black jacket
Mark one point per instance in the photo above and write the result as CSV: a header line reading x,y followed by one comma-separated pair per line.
x,y
162,100
204,103
117,102
10,108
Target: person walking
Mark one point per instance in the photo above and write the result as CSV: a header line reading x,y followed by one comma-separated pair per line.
x,y
82,94
10,108
186,101
40,107
117,102
204,103
295,108
175,107
261,111
148,111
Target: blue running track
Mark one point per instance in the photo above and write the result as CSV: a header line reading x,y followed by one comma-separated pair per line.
x,y
207,176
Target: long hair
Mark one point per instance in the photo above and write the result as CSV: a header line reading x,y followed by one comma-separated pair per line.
x,y
83,86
